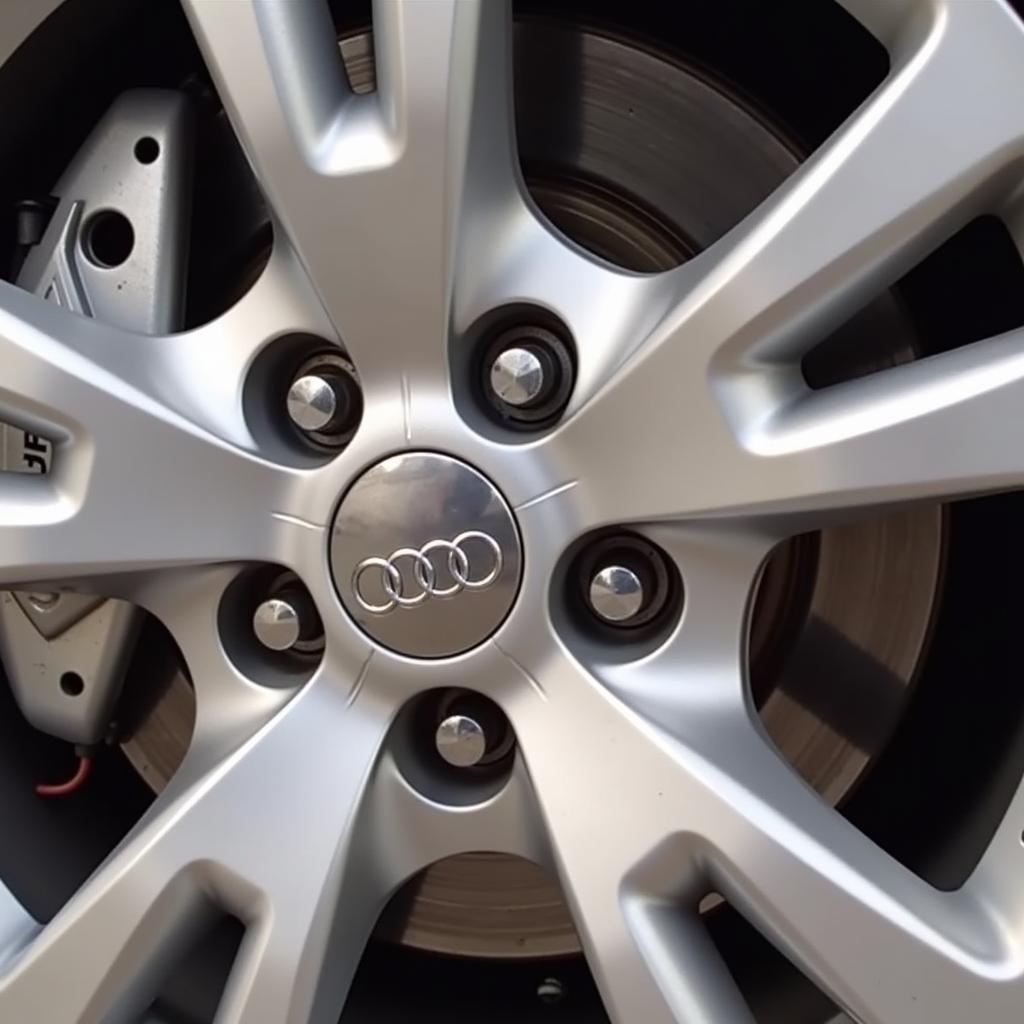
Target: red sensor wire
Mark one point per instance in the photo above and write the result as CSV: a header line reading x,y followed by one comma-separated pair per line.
x,y
72,784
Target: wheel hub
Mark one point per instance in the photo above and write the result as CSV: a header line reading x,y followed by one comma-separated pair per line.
x,y
425,555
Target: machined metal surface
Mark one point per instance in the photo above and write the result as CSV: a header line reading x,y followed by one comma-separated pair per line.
x,y
517,376
461,741
323,401
425,554
616,593
313,402
276,624
696,367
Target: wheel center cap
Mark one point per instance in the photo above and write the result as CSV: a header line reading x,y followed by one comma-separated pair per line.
x,y
425,555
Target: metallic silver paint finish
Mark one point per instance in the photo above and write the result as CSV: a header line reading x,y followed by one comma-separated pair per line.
x,y
697,368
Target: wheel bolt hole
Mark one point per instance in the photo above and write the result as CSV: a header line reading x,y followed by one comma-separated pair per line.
x,y
72,684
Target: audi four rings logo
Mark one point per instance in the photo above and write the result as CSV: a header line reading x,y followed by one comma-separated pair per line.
x,y
425,575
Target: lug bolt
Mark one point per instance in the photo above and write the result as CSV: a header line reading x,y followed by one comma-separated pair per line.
x,y
526,375
318,403
324,401
616,594
280,623
518,377
461,741
625,582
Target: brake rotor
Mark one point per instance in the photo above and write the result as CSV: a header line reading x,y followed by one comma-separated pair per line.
x,y
645,162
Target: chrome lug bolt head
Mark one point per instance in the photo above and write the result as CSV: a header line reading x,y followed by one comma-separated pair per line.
x,y
277,624
315,402
616,593
518,377
461,741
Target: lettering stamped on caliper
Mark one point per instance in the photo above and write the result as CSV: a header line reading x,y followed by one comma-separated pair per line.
x,y
22,452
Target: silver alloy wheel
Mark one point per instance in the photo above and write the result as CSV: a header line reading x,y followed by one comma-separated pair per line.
x,y
696,367
868,587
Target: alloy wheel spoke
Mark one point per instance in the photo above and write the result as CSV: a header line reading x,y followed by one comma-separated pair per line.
x,y
718,811
203,371
650,961
994,879
650,954
511,255
136,484
653,961
267,835
702,664
625,797
886,21
882,942
373,190
692,800
711,392
929,430
412,831
230,707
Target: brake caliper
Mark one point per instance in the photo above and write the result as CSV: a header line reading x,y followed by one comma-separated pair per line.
x,y
115,249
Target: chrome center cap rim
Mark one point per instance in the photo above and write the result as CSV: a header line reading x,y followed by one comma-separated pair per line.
x,y
425,555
